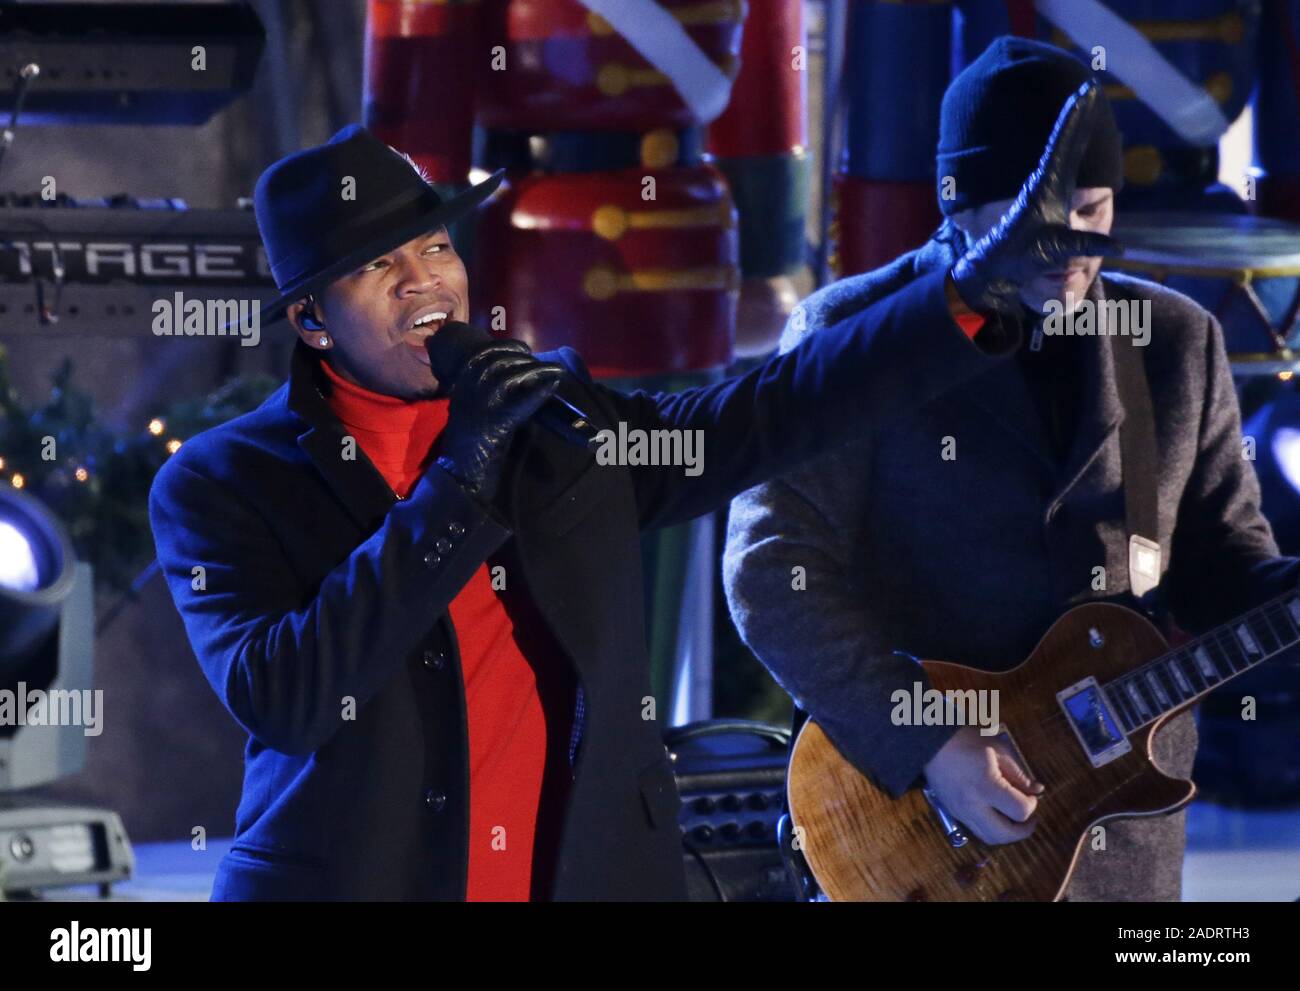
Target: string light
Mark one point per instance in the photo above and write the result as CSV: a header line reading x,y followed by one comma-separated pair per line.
x,y
173,446
1285,376
18,481
81,474
156,426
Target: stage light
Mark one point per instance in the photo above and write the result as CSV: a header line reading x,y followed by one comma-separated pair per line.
x,y
1275,432
36,576
1286,450
17,561
47,651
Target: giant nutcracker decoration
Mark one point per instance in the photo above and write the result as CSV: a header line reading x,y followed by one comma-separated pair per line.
x,y
1178,73
656,183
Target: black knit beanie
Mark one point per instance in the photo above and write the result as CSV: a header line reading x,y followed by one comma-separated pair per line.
x,y
998,114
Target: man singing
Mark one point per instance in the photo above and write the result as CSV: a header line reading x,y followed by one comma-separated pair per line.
x,y
426,610
962,528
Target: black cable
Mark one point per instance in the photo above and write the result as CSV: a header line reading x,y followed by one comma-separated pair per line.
x,y
25,76
708,871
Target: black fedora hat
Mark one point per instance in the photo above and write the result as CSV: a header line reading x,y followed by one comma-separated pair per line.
x,y
325,211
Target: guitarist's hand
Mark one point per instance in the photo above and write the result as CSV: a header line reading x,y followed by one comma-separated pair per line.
x,y
980,782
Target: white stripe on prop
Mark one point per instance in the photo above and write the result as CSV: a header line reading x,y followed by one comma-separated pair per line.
x,y
661,40
1132,59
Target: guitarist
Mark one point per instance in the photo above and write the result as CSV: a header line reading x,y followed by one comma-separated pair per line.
x,y
961,530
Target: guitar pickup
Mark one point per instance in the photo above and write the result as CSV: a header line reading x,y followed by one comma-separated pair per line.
x,y
1094,725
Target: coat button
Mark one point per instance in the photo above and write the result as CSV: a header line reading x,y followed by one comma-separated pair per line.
x,y
432,560
455,529
442,545
435,660
435,801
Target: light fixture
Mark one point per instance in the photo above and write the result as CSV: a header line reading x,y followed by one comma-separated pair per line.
x,y
46,659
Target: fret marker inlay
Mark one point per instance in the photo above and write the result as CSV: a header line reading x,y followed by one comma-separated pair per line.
x,y
1137,698
1247,639
1157,689
1205,664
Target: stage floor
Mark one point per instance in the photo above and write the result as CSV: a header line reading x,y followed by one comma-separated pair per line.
x,y
1237,855
1232,855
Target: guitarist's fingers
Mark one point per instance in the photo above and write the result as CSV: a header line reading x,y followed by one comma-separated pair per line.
x,y
1015,774
991,826
1015,830
1013,803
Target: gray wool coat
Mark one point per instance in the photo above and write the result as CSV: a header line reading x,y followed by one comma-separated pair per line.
x,y
970,559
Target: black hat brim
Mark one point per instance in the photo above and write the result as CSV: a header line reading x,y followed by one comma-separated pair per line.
x,y
444,214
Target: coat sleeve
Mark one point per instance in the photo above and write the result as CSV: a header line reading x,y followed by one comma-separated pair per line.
x,y
791,587
895,354
1223,559
283,657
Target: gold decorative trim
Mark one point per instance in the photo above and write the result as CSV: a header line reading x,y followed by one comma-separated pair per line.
x,y
616,78
1227,28
602,282
437,3
708,12
659,148
1218,86
1143,164
1239,276
612,222
711,12
1281,354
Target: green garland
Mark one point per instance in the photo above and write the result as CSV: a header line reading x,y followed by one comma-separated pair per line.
x,y
97,481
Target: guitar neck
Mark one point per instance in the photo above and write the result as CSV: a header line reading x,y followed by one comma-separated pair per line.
x,y
1181,677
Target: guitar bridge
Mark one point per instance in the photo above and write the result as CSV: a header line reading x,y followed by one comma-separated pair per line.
x,y
953,829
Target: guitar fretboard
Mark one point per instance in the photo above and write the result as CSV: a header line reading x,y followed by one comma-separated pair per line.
x,y
1180,677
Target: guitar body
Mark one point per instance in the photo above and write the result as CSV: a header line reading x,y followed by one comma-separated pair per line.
x,y
863,845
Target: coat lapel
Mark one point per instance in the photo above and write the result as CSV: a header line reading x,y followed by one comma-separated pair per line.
x,y
357,484
1100,411
1004,395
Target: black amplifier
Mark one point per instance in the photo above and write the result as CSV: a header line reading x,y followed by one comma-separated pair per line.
x,y
731,775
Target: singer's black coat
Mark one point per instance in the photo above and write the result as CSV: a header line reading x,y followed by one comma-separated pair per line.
x,y
303,581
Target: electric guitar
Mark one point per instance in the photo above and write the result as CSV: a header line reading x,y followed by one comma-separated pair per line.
x,y
1080,713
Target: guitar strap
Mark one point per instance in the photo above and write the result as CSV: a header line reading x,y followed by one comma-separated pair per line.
x,y
1140,466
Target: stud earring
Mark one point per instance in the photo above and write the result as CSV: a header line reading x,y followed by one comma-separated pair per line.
x,y
324,340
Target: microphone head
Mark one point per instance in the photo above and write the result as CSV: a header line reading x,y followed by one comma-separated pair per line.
x,y
453,344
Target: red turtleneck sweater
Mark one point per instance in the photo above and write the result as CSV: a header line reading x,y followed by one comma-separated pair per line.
x,y
507,723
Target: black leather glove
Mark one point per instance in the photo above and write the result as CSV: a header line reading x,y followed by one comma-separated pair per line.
x,y
1034,236
499,388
